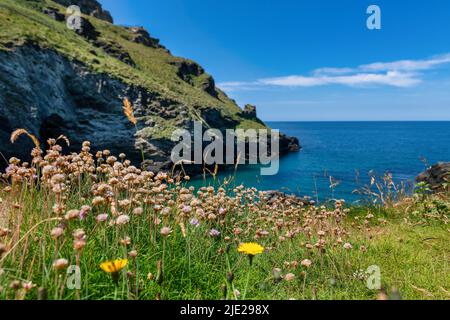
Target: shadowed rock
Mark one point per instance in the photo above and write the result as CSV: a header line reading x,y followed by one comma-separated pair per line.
x,y
436,176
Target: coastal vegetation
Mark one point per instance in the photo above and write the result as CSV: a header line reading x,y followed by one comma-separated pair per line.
x,y
90,225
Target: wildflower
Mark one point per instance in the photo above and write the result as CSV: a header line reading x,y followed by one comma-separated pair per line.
x,y
251,249
214,233
57,232
276,272
84,212
79,244
72,214
237,231
165,211
194,222
212,216
138,211
60,264
125,241
165,231
123,219
133,254
237,293
114,267
98,201
348,246
102,217
79,234
28,286
186,209
289,277
363,249
306,263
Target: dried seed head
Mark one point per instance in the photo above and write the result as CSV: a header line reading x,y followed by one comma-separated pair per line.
x,y
60,264
165,231
57,232
348,246
123,219
102,217
306,263
289,277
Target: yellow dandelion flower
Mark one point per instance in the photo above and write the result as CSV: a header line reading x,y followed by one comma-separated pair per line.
x,y
114,267
251,249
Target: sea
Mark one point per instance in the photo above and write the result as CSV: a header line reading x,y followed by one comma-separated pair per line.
x,y
338,159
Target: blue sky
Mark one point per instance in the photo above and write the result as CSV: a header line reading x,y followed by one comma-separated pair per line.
x,y
311,60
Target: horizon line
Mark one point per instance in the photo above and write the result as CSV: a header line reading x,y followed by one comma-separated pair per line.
x,y
356,120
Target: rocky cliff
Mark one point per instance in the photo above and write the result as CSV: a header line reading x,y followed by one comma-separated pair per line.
x,y
54,80
437,177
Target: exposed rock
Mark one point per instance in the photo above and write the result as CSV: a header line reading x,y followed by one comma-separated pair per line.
x,y
54,14
209,86
101,14
89,7
115,50
49,95
288,144
436,176
87,30
249,112
140,35
187,70
217,120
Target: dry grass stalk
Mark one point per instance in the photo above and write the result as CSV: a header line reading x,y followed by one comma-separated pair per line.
x,y
17,133
128,111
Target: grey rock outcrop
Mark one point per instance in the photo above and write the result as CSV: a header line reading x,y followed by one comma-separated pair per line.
x,y
142,36
54,14
50,95
187,70
87,30
89,7
436,176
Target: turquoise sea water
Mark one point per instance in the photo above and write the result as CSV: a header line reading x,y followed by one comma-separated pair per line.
x,y
348,151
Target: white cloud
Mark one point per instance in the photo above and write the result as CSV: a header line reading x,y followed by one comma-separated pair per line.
x,y
402,73
407,65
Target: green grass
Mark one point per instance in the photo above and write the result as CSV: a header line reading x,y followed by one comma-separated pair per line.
x,y
409,247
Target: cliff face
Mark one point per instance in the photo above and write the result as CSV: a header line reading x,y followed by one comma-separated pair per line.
x,y
89,7
56,81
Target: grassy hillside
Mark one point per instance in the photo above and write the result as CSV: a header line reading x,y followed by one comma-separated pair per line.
x,y
155,69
